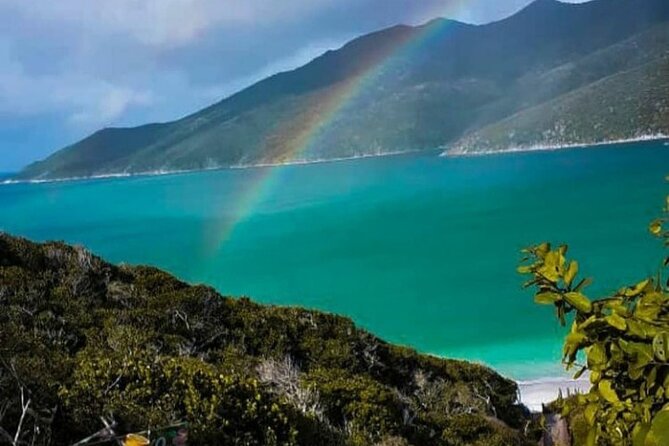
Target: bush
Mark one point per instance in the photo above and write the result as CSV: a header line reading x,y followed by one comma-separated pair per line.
x,y
624,339
83,339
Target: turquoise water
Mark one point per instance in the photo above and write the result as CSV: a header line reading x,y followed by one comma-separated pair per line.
x,y
420,250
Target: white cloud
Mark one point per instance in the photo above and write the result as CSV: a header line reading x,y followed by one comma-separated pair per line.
x,y
90,101
109,104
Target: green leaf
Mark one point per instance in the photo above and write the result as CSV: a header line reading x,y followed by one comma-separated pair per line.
x,y
591,439
660,345
590,412
639,434
617,306
571,345
655,227
636,328
595,377
597,356
542,249
651,377
641,353
636,289
571,272
647,310
553,266
658,434
605,389
579,301
546,298
524,269
635,373
616,321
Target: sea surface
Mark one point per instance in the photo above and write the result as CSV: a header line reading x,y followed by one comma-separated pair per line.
x,y
419,249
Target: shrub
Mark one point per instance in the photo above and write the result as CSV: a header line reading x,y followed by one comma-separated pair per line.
x,y
624,340
84,339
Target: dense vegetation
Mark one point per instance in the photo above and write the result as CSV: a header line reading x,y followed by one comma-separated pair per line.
x,y
624,340
82,339
537,74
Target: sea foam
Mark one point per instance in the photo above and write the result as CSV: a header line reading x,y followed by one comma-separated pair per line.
x,y
550,147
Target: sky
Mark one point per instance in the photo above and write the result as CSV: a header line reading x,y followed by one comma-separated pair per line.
x,y
70,67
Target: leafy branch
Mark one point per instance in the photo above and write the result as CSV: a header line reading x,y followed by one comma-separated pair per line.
x,y
624,339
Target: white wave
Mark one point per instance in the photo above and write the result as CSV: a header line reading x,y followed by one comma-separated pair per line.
x,y
550,147
540,391
299,162
56,180
160,172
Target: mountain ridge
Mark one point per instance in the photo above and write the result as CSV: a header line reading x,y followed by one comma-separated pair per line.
x,y
397,89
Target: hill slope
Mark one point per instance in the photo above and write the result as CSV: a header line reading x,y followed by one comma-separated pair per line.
x,y
402,88
633,102
83,338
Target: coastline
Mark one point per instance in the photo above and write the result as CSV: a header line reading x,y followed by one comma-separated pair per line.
x,y
160,172
444,152
535,393
552,147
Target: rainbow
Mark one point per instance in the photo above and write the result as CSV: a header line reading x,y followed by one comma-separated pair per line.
x,y
326,106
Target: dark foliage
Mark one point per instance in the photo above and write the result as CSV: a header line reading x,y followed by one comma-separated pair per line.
x,y
81,338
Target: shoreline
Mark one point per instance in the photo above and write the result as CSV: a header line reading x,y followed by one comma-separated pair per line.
x,y
443,152
157,173
534,393
659,137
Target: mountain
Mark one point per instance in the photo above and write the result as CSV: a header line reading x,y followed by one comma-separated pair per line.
x,y
83,339
404,88
630,102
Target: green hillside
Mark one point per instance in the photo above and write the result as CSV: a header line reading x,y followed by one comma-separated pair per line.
x,y
84,339
632,103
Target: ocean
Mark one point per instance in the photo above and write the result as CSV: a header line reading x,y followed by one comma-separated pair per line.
x,y
419,249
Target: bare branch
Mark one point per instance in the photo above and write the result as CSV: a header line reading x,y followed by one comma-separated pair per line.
x,y
25,405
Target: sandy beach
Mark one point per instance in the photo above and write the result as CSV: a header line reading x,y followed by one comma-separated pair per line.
x,y
541,391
